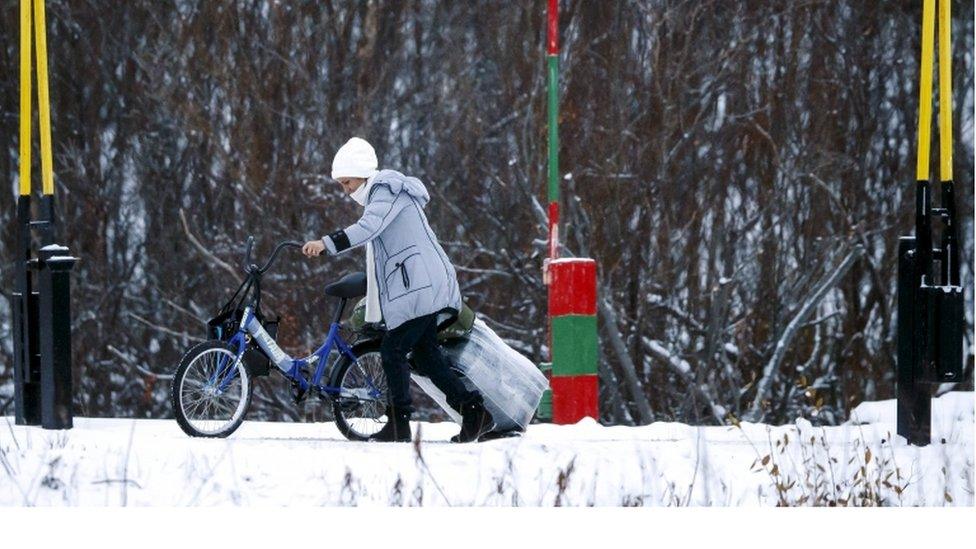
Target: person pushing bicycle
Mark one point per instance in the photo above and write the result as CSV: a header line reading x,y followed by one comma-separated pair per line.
x,y
411,286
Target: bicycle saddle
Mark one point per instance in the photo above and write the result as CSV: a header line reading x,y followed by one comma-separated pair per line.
x,y
350,286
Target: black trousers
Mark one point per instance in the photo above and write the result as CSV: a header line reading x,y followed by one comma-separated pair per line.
x,y
420,336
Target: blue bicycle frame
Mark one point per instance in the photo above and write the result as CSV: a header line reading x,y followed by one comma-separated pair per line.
x,y
291,367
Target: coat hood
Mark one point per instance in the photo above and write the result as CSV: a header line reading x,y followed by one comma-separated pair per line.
x,y
397,182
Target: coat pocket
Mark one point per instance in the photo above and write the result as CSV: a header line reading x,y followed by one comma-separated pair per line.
x,y
405,272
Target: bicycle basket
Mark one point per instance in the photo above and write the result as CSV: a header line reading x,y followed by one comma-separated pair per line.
x,y
225,325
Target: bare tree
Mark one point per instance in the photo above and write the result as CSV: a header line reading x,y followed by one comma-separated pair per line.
x,y
722,161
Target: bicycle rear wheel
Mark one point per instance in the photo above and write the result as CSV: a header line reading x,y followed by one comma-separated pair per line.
x,y
360,406
211,391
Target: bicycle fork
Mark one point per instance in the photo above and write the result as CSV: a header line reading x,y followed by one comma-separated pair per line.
x,y
224,371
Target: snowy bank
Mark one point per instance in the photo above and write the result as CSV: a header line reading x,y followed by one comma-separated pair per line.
x,y
151,462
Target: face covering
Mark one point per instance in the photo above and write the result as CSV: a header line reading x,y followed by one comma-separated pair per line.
x,y
360,194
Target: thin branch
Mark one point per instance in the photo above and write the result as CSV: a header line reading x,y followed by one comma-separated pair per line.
x,y
164,329
772,367
132,362
183,310
683,369
612,329
205,252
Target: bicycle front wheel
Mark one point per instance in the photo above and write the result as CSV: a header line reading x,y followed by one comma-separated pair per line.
x,y
211,391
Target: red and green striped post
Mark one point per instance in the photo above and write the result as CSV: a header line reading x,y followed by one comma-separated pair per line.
x,y
572,317
552,61
572,285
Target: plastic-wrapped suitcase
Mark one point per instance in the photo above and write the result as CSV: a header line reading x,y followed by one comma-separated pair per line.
x,y
510,383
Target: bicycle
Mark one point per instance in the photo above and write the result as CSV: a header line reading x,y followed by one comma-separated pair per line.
x,y
212,387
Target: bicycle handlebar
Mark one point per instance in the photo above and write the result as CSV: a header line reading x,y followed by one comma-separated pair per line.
x,y
278,248
274,255
247,254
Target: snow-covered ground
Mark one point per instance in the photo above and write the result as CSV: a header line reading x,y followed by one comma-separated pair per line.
x,y
114,462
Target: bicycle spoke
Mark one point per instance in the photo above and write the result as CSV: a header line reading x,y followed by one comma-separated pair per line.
x,y
224,406
191,403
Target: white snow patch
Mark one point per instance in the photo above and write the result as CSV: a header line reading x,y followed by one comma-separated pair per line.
x,y
114,462
54,248
571,260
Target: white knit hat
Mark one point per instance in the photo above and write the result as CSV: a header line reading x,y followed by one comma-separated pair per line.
x,y
354,159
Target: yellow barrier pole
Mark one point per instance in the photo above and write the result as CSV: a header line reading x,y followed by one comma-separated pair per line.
x,y
950,232
25,97
945,90
925,91
923,199
43,99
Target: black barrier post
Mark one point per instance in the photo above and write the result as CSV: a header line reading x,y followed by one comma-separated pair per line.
x,y
27,373
930,314
41,319
55,336
930,300
914,403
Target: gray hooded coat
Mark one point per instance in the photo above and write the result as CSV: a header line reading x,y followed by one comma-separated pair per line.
x,y
414,275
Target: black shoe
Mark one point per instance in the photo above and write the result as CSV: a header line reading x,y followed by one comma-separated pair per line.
x,y
475,421
495,434
397,428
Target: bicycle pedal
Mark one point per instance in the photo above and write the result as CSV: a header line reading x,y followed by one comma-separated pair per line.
x,y
298,395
